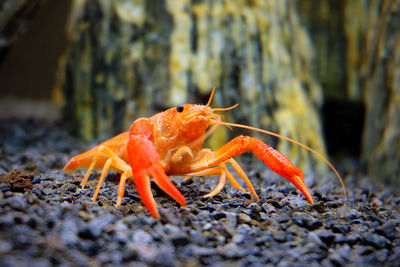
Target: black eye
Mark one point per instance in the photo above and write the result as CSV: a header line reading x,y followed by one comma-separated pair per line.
x,y
179,108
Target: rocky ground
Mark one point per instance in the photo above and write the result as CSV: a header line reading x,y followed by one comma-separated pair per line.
x,y
46,219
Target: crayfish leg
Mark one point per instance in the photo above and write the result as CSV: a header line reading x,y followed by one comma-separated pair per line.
x,y
89,171
246,179
224,173
220,185
113,161
102,178
232,179
121,187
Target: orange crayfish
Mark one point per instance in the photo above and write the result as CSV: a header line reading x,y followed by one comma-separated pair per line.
x,y
170,143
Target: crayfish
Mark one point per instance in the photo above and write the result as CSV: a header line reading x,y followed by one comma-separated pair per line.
x,y
171,143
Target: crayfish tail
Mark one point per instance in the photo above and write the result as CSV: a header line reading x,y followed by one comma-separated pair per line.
x,y
71,165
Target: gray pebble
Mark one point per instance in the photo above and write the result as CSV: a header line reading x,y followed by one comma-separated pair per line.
x,y
232,251
243,229
268,208
95,227
179,239
140,236
243,218
307,221
376,240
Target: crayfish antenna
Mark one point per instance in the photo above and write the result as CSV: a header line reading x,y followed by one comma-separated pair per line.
x,y
294,142
211,97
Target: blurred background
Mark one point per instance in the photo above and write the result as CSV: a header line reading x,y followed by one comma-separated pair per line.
x,y
326,73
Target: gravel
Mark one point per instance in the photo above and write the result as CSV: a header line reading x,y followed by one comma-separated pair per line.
x,y
46,219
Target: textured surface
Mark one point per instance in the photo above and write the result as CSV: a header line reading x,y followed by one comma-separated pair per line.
x,y
358,65
55,222
381,143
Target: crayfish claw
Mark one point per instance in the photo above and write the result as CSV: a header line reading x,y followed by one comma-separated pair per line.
x,y
143,188
162,181
299,183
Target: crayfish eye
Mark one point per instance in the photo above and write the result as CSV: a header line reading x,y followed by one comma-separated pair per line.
x,y
179,108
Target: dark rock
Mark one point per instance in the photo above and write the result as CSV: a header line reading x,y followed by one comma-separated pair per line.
x,y
219,215
180,239
353,214
295,202
382,255
197,238
388,230
243,218
27,261
5,187
16,203
36,179
282,218
140,236
325,236
69,232
320,207
5,247
254,207
33,221
268,208
266,237
68,187
238,238
231,218
341,228
94,228
394,258
207,226
171,229
165,258
79,259
307,221
232,251
243,229
279,236
376,240
146,253
351,238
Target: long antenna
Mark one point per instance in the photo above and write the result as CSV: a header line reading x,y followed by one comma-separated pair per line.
x,y
211,97
225,109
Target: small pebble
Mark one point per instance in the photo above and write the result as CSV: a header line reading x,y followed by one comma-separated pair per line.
x,y
141,236
376,240
243,218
